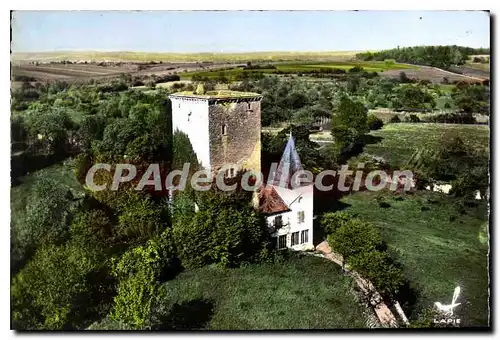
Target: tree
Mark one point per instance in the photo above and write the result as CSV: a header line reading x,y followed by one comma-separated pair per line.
x,y
53,288
92,230
354,237
91,128
51,129
472,98
138,272
378,268
349,123
116,137
332,221
411,97
48,211
139,218
226,230
374,123
183,152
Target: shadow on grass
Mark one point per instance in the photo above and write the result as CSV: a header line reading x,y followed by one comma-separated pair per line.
x,y
407,298
191,315
369,139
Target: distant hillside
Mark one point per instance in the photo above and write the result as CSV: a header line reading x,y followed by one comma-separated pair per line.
x,y
181,57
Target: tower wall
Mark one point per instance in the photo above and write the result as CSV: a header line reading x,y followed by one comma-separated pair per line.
x,y
234,133
190,115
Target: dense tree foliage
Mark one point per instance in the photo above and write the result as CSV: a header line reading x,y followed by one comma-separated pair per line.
x,y
472,98
361,247
225,230
138,272
438,56
349,123
453,161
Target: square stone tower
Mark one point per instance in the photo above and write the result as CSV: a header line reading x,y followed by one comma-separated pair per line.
x,y
223,127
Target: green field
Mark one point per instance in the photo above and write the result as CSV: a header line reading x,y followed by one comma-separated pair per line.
x,y
301,293
398,141
300,67
438,247
437,243
446,88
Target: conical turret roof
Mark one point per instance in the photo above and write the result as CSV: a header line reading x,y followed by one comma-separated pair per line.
x,y
289,164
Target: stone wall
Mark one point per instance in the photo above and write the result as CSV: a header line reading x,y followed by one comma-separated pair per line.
x,y
234,133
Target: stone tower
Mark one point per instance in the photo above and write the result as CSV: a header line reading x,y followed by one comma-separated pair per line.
x,y
223,127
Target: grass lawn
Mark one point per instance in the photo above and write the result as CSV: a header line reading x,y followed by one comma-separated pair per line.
x,y
301,293
438,246
398,141
446,88
19,194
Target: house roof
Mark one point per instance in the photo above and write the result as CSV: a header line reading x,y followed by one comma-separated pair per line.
x,y
270,202
289,164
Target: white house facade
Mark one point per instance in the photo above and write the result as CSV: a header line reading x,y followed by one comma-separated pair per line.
x,y
289,208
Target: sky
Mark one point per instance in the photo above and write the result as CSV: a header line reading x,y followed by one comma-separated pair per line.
x,y
244,31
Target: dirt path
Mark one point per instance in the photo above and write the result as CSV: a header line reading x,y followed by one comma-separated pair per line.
x,y
384,314
455,74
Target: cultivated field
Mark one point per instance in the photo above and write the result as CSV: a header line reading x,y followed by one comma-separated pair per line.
x,y
75,72
183,57
303,67
397,142
432,74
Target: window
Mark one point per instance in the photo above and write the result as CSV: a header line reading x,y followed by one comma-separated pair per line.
x,y
224,129
304,236
295,238
282,242
278,222
300,217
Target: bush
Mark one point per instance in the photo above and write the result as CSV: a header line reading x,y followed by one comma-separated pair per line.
x,y
138,272
412,119
52,288
226,230
453,118
395,119
331,222
374,123
48,211
378,268
353,237
92,230
139,218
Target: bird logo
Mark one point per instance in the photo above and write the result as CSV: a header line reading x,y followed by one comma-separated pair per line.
x,y
448,309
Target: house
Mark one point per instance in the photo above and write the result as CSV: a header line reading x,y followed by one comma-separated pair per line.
x,y
288,206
